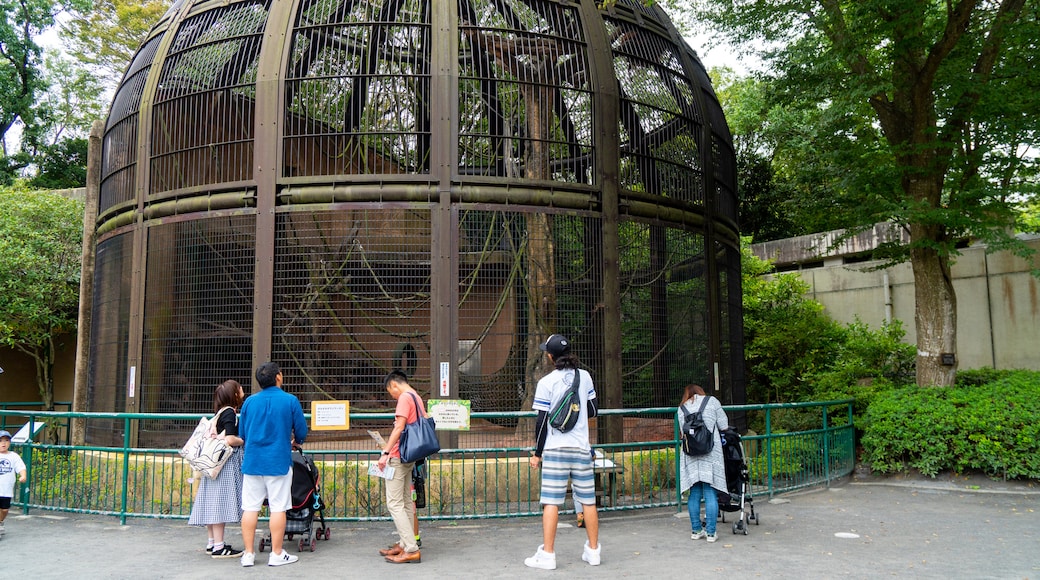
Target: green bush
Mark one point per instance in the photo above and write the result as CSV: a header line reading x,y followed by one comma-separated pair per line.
x,y
992,427
655,469
976,377
789,458
61,478
796,352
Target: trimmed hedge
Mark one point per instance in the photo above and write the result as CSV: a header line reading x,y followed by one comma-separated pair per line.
x,y
992,427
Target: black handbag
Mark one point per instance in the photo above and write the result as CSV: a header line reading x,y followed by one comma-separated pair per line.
x,y
564,416
419,439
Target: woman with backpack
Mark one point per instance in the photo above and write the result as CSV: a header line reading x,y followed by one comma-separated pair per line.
x,y
702,475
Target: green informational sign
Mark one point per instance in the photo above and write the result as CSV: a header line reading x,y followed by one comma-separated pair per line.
x,y
450,414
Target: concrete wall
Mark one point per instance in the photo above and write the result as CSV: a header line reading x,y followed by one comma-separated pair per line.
x,y
998,300
18,381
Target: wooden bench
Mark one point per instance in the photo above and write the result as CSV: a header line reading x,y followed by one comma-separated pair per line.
x,y
606,479
606,472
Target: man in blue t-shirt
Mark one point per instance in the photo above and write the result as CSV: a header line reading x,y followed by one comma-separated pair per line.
x,y
272,420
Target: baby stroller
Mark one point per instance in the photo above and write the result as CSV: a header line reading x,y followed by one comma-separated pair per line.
x,y
306,503
738,483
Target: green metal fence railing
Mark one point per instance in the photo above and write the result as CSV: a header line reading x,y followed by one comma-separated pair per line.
x,y
7,425
486,475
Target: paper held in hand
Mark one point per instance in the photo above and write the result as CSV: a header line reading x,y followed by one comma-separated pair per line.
x,y
373,467
386,473
377,438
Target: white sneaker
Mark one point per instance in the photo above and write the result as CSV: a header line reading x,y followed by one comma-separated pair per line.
x,y
713,537
248,558
591,556
698,535
281,559
541,559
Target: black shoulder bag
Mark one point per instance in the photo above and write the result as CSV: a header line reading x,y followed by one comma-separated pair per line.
x,y
565,414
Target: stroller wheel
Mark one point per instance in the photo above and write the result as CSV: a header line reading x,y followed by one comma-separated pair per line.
x,y
302,545
314,544
328,532
262,542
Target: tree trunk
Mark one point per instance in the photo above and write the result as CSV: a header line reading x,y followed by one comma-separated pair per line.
x,y
935,312
43,356
532,62
541,269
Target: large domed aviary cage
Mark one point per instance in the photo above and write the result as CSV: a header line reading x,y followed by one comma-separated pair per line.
x,y
348,187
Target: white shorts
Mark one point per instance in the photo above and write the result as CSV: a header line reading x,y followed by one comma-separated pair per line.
x,y
277,489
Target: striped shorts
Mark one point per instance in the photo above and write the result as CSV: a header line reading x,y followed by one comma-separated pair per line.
x,y
559,465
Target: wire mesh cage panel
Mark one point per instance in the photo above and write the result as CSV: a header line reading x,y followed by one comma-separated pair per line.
x,y
512,264
198,313
119,166
348,188
660,118
731,324
664,312
525,102
109,336
202,123
357,89
352,302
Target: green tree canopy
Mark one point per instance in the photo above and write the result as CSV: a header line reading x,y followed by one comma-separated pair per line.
x,y
920,113
768,208
62,165
25,104
106,35
40,252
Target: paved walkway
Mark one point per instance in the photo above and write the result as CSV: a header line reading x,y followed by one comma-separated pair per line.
x,y
860,528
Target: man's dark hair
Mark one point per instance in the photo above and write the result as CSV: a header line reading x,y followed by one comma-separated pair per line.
x,y
395,375
566,361
266,374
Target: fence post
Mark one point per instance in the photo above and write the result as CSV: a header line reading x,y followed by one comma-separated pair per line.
x,y
769,451
126,470
826,449
678,462
28,447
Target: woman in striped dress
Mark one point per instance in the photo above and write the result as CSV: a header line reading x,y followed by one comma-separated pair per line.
x,y
219,501
705,474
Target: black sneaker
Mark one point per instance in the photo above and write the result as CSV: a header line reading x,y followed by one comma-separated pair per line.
x,y
227,552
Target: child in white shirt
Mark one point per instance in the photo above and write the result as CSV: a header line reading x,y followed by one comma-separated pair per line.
x,y
11,466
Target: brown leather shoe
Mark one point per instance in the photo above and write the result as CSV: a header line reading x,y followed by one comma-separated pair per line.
x,y
393,550
405,558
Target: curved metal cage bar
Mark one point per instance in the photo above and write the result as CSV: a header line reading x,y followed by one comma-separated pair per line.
x,y
434,185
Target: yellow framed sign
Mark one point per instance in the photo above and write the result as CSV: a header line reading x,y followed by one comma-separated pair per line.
x,y
330,415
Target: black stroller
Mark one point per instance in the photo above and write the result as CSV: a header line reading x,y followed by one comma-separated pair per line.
x,y
306,503
738,483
